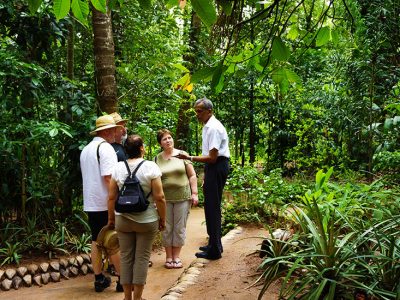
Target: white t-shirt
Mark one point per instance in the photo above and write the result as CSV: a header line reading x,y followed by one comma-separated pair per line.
x,y
215,137
148,171
95,190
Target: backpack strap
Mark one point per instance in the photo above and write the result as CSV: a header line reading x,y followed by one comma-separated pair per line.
x,y
134,172
98,151
130,174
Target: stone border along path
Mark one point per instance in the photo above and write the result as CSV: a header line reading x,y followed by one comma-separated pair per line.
x,y
45,272
190,274
162,283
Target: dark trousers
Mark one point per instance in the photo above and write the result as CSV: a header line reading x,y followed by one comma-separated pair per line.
x,y
214,181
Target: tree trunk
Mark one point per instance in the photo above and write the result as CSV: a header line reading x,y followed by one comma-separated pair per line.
x,y
183,128
103,46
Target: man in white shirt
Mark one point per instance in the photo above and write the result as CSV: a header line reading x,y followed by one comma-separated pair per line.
x,y
215,155
97,161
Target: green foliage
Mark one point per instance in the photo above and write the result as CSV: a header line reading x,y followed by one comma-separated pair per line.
x,y
81,244
335,254
251,196
206,11
11,253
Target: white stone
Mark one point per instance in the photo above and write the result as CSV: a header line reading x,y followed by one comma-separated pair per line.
x,y
6,284
10,273
55,265
27,279
21,271
55,276
44,267
45,278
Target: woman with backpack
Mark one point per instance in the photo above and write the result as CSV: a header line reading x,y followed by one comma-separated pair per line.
x,y
180,187
136,230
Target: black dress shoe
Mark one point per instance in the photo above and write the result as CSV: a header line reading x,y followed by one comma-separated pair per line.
x,y
204,248
207,255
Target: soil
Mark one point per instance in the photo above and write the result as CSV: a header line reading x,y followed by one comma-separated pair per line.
x,y
234,276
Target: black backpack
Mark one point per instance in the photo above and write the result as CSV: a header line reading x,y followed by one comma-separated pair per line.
x,y
131,197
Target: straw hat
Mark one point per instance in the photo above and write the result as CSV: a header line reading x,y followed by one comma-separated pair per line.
x,y
107,241
117,118
103,123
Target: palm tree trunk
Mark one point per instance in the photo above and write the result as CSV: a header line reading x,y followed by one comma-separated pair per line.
x,y
103,46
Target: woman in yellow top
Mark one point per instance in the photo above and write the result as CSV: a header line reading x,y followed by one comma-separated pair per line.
x,y
180,188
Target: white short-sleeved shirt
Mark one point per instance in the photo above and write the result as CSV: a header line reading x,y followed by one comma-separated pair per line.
x,y
95,190
146,173
215,137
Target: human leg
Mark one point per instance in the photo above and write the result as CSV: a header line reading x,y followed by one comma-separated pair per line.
x,y
167,235
138,291
214,182
128,291
145,232
97,220
181,214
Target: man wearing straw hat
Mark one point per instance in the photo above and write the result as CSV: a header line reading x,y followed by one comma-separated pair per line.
x,y
97,161
120,136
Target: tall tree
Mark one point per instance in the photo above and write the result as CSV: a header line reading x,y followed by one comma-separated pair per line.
x,y
103,46
183,126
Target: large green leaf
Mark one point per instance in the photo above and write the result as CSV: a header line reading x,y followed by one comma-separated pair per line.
x,y
181,67
292,76
80,10
206,11
279,50
100,5
203,74
61,8
278,75
34,5
324,36
217,76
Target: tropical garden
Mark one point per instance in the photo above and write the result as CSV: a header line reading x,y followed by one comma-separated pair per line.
x,y
309,91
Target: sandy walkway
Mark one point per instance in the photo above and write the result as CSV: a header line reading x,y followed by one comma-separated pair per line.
x,y
158,280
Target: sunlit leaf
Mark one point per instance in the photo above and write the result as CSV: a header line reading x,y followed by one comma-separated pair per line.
x,y
182,82
206,11
100,5
279,50
189,88
34,5
293,33
53,132
324,36
80,9
61,8
181,67
292,76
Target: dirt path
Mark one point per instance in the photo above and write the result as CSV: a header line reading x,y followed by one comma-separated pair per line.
x,y
232,277
226,278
